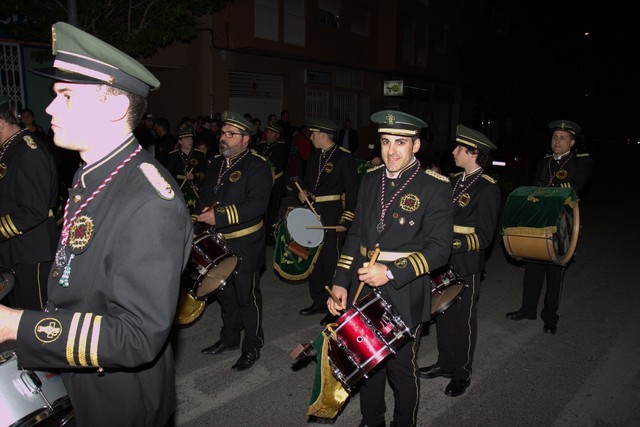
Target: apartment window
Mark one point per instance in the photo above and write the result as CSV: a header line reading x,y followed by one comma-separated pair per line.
x,y
266,19
360,20
345,106
329,12
316,104
294,22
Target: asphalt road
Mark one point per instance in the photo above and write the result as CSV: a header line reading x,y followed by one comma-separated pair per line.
x,y
586,375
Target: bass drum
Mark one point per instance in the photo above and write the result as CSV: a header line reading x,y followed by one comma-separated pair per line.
x,y
31,398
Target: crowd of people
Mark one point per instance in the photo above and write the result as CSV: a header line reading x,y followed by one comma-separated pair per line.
x,y
95,296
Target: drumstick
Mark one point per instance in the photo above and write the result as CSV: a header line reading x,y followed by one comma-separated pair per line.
x,y
373,259
323,227
334,298
306,199
185,178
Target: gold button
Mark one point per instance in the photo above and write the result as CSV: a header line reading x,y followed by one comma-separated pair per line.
x,y
54,274
77,198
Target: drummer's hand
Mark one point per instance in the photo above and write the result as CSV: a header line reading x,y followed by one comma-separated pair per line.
x,y
342,294
341,229
189,176
9,321
375,275
302,196
208,217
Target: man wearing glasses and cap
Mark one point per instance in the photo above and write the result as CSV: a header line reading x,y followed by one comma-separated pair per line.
x,y
126,237
405,211
233,201
561,168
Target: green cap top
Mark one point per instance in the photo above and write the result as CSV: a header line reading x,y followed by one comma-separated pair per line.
x,y
473,138
566,125
83,58
323,125
394,122
275,127
185,131
234,119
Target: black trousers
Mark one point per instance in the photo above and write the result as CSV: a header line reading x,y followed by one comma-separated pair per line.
x,y
401,371
457,330
241,308
30,287
534,275
324,269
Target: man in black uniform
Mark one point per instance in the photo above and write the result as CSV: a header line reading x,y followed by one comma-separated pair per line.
x,y
476,204
562,168
188,166
331,172
233,200
126,237
28,193
165,141
275,151
407,212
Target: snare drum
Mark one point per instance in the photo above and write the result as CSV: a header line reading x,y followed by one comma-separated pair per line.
x,y
29,398
446,288
294,259
541,224
364,336
210,267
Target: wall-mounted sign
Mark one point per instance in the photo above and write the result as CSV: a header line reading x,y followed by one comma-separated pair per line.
x,y
393,88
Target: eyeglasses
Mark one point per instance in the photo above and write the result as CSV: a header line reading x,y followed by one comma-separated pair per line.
x,y
230,134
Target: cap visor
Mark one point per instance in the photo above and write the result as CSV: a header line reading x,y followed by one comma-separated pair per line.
x,y
65,76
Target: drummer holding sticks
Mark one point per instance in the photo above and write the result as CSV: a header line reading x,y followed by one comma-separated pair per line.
x,y
405,211
331,174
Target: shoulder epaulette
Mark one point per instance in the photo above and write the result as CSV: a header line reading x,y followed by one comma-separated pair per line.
x,y
489,178
258,155
345,150
436,175
582,155
171,152
217,155
199,151
375,168
30,142
281,142
453,175
548,155
157,181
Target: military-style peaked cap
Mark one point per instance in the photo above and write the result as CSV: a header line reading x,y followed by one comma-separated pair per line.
x,y
83,58
473,138
275,127
398,123
566,125
185,131
234,119
324,125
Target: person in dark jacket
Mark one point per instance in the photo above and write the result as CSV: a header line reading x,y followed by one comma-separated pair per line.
x,y
126,237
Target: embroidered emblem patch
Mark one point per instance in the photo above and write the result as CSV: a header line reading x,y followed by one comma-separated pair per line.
x,y
194,161
235,176
562,174
157,181
391,119
409,202
221,210
48,330
328,167
457,244
30,142
400,262
464,200
80,232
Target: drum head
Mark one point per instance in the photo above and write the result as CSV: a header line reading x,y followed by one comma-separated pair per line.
x,y
445,297
297,222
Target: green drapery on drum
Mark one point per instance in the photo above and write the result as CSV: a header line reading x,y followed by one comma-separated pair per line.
x,y
536,210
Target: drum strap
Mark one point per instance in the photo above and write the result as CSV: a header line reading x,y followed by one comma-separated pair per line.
x,y
327,198
244,231
387,256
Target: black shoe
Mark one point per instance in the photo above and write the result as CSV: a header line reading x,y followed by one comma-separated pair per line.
x,y
313,309
550,329
456,387
329,318
434,371
362,424
246,361
519,315
219,347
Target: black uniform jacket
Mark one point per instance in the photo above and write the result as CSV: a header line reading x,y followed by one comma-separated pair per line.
x,y
573,170
108,330
242,200
336,194
277,153
28,193
475,218
179,163
418,223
